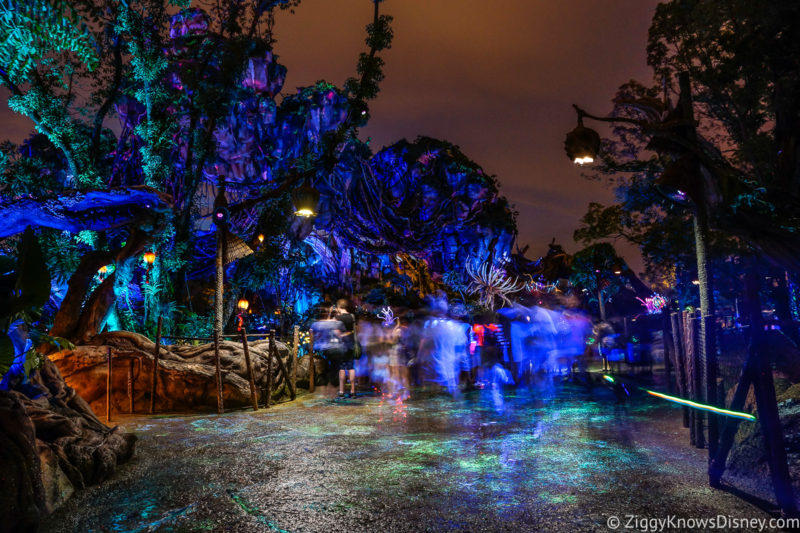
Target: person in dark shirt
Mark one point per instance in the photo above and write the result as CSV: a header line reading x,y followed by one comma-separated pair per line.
x,y
348,338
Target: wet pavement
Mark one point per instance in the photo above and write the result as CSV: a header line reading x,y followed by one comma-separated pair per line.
x,y
517,461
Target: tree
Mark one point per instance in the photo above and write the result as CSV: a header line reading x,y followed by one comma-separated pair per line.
x,y
728,144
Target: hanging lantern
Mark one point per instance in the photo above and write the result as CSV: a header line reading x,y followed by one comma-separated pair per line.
x,y
149,258
260,238
243,304
582,144
305,200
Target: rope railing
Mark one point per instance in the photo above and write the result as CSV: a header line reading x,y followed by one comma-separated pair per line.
x,y
289,374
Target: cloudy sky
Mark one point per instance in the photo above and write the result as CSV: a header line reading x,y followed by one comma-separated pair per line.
x,y
496,77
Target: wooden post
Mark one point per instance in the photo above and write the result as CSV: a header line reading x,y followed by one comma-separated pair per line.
x,y
708,337
218,376
282,369
109,392
130,386
154,377
680,366
269,367
669,349
699,381
295,348
251,377
311,369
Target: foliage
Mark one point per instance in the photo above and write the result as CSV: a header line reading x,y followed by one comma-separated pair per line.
x,y
25,288
744,90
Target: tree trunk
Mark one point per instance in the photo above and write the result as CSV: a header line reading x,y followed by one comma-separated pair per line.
x,y
80,322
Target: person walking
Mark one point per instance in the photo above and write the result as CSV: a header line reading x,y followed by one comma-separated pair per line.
x,y
348,338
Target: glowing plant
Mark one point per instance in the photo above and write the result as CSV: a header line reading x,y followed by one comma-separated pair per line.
x,y
490,283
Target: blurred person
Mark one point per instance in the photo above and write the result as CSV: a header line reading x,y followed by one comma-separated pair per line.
x,y
346,335
327,341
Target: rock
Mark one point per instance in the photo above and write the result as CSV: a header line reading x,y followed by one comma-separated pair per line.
x,y
22,498
58,487
186,373
50,446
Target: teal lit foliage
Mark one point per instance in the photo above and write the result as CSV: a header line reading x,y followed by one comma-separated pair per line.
x,y
32,30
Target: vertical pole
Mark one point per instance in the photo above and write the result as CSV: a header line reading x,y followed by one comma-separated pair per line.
x,y
109,392
707,347
269,366
250,376
154,377
680,366
689,361
310,356
669,349
699,384
218,376
295,348
130,386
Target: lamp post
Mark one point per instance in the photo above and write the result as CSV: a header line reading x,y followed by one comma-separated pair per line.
x,y
306,200
682,182
149,259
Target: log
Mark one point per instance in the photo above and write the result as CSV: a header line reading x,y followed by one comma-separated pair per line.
x,y
218,375
109,393
154,377
253,394
269,366
311,369
293,359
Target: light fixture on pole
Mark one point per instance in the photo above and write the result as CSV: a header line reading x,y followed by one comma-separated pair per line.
x,y
149,259
582,144
305,199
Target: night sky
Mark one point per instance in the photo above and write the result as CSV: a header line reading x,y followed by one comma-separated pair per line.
x,y
496,78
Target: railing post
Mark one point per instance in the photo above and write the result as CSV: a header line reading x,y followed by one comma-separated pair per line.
x,y
295,348
218,376
311,369
253,395
130,386
109,392
271,352
154,377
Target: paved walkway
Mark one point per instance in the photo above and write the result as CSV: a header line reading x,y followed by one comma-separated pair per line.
x,y
563,461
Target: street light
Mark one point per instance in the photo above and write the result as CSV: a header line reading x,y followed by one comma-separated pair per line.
x,y
305,199
149,259
582,144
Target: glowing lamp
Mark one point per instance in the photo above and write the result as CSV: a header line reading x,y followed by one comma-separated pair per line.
x,y
305,200
695,282
616,268
243,304
149,258
103,269
221,215
260,238
582,144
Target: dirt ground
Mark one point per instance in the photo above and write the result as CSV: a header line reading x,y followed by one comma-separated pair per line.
x,y
553,458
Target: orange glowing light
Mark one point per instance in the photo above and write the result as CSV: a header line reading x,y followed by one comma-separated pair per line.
x,y
243,304
149,257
